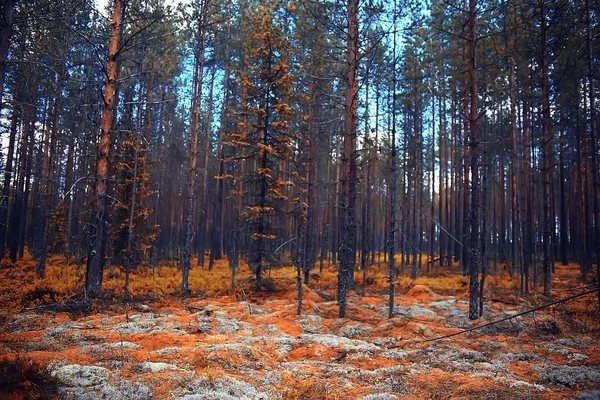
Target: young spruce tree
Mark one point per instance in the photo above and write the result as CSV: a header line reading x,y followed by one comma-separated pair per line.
x,y
266,138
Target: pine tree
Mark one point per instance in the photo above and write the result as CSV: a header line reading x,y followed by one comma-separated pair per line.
x,y
132,231
266,138
96,256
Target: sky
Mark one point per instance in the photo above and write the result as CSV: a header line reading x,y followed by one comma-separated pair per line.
x,y
101,4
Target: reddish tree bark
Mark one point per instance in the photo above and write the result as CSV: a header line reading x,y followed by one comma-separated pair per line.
x,y
95,265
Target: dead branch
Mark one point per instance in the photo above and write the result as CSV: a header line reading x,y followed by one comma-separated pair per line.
x,y
559,301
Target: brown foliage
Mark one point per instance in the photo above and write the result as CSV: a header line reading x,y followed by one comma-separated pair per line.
x,y
22,378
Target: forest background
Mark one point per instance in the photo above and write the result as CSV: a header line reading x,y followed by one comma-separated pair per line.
x,y
424,135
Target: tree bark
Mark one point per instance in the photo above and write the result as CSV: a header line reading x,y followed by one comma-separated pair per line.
x,y
193,152
474,143
348,242
95,264
49,172
391,244
594,140
8,173
8,11
513,169
309,242
546,151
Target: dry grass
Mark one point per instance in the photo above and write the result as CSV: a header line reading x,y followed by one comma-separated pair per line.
x,y
63,281
276,309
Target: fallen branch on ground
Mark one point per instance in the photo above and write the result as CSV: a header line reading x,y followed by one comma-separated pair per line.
x,y
559,301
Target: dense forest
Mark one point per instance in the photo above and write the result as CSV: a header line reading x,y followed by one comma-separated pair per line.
x,y
344,151
302,132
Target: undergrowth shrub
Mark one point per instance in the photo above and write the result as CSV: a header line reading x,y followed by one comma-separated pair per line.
x,y
22,378
307,389
40,296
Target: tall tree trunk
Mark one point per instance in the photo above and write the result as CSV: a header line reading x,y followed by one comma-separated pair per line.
x,y
464,260
594,140
205,166
129,257
309,242
484,220
348,243
513,168
528,231
564,229
129,249
28,166
49,172
432,205
366,163
391,244
474,143
546,151
8,11
216,236
193,151
8,173
95,265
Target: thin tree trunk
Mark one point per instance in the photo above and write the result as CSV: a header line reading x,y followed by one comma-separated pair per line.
x,y
513,168
193,152
564,230
8,11
593,139
8,173
309,242
129,254
546,152
432,208
49,172
217,227
392,191
205,165
484,225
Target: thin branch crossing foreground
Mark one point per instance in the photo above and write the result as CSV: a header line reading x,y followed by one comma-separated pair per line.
x,y
559,301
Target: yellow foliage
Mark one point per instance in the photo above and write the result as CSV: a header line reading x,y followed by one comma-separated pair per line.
x,y
283,108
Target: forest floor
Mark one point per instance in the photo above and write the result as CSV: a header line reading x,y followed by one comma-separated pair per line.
x,y
215,345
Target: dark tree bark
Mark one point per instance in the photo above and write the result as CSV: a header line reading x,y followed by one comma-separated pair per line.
x,y
515,223
6,21
348,242
205,166
474,143
546,151
391,244
593,139
49,173
190,190
309,237
216,236
8,172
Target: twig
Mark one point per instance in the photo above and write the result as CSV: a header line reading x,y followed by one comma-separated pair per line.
x,y
122,348
559,301
188,306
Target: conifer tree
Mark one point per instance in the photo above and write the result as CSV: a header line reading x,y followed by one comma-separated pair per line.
x,y
266,137
96,256
132,231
